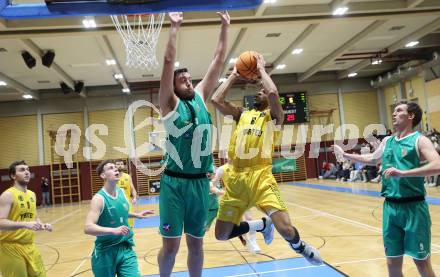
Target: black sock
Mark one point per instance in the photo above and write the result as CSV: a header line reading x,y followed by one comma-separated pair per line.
x,y
238,230
296,238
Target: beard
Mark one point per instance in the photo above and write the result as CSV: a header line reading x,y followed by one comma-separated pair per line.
x,y
22,183
257,105
186,96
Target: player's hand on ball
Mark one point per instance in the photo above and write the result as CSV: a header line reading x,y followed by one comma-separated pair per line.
x,y
121,231
261,63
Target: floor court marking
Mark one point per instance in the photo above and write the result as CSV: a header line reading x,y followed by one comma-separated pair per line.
x,y
356,191
311,266
349,221
65,216
273,271
81,264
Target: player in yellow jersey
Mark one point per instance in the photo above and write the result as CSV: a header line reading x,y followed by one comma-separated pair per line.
x,y
249,181
18,220
126,184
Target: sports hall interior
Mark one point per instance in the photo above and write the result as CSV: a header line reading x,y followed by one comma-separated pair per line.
x,y
353,68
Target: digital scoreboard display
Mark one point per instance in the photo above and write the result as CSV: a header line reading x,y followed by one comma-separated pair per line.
x,y
294,106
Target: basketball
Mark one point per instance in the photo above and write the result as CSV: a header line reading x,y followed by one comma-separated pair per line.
x,y
247,65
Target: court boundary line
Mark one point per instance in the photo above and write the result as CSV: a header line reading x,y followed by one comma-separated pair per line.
x,y
65,216
349,221
311,266
81,264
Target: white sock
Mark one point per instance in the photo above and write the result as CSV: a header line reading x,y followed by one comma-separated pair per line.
x,y
256,225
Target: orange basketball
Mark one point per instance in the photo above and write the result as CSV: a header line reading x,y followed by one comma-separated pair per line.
x,y
247,65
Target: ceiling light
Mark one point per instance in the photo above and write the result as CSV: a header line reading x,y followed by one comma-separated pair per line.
x,y
351,75
221,80
176,64
110,62
376,62
89,23
297,51
340,11
281,66
27,96
118,76
126,90
270,1
233,60
2,83
412,44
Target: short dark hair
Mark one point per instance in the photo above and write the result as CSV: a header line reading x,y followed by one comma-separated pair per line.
x,y
119,160
413,108
12,167
100,167
177,72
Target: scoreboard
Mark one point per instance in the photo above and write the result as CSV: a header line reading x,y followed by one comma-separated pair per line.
x,y
294,106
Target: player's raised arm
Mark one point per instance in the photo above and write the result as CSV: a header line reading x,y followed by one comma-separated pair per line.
x,y
210,81
219,101
167,98
270,89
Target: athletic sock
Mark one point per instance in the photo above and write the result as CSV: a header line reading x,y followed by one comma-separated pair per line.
x,y
257,225
239,230
296,241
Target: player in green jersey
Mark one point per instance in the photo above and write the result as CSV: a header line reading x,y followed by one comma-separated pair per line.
x,y
108,221
406,157
184,184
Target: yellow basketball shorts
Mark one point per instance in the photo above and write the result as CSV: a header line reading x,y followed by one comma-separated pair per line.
x,y
21,260
131,210
246,188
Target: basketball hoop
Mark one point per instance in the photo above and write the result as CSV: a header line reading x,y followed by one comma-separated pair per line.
x,y
140,34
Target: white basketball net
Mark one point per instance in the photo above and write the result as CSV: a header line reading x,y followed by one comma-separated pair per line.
x,y
140,34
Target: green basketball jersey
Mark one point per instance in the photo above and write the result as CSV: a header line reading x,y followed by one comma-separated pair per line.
x,y
113,215
403,155
188,139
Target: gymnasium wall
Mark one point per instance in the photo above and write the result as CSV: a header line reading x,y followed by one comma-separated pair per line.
x,y
433,93
392,95
19,140
416,89
51,122
44,171
361,109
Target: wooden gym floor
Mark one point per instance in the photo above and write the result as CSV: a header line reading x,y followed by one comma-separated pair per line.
x,y
342,219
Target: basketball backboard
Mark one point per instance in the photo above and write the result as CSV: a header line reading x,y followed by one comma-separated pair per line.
x,y
28,9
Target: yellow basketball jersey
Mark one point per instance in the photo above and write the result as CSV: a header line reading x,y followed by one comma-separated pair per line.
x,y
23,209
125,184
253,140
